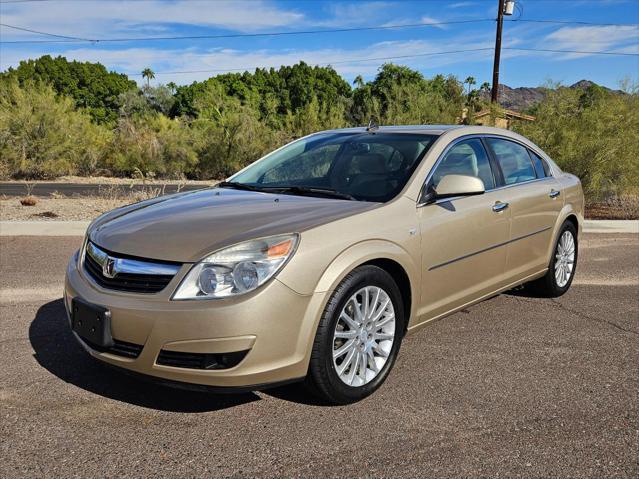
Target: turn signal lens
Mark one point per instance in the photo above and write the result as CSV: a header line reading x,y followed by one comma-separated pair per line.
x,y
280,249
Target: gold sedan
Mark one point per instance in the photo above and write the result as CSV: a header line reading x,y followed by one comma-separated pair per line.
x,y
314,262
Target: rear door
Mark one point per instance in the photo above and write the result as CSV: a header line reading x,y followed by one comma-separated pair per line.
x,y
463,239
534,199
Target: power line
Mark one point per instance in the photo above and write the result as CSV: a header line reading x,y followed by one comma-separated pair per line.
x,y
583,52
573,22
43,33
339,62
73,39
397,57
67,39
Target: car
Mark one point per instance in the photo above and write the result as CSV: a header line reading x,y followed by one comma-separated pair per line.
x,y
314,262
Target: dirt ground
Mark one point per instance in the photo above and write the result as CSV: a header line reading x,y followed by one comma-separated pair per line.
x,y
58,209
113,181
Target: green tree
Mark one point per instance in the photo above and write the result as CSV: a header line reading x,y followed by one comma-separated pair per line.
x,y
470,81
148,74
399,95
89,84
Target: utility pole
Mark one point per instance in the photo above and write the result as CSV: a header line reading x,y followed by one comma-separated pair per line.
x,y
500,24
505,8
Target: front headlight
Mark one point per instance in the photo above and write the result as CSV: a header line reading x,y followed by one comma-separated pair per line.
x,y
237,269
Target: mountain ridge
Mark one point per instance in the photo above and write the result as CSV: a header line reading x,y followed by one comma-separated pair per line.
x,y
522,98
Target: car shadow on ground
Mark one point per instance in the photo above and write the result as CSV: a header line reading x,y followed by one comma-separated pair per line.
x,y
525,291
57,351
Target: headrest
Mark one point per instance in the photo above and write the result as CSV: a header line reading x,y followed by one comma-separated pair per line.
x,y
372,163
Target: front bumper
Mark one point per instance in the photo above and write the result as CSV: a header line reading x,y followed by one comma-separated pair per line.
x,y
274,324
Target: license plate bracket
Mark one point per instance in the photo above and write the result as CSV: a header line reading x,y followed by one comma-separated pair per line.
x,y
92,323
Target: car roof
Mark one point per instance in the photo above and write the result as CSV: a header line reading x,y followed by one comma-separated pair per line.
x,y
429,129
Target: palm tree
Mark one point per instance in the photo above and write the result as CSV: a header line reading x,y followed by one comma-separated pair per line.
x,y
171,86
148,74
470,81
359,81
485,87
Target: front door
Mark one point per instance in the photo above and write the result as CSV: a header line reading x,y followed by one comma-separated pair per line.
x,y
463,239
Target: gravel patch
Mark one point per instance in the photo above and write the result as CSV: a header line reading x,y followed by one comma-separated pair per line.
x,y
58,209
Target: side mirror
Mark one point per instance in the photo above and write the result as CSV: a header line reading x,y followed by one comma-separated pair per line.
x,y
459,185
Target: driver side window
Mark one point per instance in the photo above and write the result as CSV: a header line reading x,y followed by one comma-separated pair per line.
x,y
468,158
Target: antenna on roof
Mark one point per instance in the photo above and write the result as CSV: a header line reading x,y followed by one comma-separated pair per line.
x,y
372,125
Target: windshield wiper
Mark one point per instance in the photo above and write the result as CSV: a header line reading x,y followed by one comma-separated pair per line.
x,y
237,186
310,191
296,190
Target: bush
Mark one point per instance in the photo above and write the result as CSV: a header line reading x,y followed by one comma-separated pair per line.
x,y
593,134
43,136
154,145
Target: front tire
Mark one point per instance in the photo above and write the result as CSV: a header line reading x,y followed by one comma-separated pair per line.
x,y
563,263
358,337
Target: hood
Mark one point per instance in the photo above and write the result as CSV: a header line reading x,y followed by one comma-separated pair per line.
x,y
188,226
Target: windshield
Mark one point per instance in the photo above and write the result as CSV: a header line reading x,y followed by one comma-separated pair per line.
x,y
361,166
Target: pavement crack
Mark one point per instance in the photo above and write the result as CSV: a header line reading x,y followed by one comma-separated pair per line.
x,y
581,315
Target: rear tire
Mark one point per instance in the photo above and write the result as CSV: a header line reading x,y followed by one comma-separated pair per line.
x,y
562,266
358,337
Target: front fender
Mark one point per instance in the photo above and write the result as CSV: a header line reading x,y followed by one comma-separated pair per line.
x,y
367,251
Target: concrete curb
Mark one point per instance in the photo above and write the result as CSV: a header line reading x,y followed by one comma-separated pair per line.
x,y
78,228
611,226
43,228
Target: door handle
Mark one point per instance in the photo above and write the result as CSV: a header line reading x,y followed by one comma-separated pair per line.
x,y
499,206
554,193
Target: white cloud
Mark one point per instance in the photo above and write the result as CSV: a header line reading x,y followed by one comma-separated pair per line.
x,y
591,38
460,5
103,19
355,14
426,19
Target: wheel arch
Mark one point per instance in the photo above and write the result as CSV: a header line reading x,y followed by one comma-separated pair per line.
x,y
399,275
568,213
386,255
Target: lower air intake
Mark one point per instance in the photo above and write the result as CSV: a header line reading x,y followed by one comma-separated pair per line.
x,y
179,359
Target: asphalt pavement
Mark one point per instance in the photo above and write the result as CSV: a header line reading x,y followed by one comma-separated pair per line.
x,y
515,386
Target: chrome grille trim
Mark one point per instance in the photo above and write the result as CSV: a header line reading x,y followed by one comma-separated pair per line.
x,y
131,266
121,273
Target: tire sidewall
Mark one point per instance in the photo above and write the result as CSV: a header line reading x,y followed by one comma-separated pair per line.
x,y
358,279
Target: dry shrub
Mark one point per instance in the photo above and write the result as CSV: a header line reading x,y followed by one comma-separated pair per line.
x,y
29,201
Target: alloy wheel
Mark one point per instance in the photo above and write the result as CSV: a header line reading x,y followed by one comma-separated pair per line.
x,y
564,259
364,336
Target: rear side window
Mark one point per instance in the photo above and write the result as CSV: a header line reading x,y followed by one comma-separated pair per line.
x,y
513,160
468,158
541,167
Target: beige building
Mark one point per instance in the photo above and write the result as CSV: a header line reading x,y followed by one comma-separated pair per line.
x,y
503,119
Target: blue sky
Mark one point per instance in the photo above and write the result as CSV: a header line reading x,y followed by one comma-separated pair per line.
x,y
144,18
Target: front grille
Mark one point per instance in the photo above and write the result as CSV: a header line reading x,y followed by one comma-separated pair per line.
x,y
119,348
179,359
137,282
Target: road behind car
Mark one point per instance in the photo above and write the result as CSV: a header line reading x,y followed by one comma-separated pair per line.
x,y
514,386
